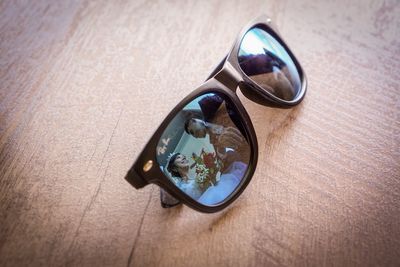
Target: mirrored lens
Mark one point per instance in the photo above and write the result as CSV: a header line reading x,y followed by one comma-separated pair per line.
x,y
267,63
203,150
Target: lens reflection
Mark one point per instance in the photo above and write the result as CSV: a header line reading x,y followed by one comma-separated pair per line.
x,y
203,151
266,62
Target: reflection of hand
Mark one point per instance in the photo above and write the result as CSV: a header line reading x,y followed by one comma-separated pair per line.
x,y
220,155
230,137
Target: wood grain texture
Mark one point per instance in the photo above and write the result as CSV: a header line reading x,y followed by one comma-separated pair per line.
x,y
83,85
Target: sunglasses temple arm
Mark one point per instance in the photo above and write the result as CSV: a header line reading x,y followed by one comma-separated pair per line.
x,y
218,68
167,201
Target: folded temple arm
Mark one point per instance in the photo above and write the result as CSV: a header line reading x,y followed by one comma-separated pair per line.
x,y
167,201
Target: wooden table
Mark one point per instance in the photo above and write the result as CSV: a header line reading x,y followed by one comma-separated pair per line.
x,y
83,85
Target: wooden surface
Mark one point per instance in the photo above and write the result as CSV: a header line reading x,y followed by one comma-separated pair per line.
x,y
83,85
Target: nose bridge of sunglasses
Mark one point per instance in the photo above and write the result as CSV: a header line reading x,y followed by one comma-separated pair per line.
x,y
229,76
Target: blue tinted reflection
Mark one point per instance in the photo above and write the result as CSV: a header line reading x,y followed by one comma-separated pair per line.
x,y
203,150
266,62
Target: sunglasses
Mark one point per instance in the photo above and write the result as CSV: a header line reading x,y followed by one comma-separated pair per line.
x,y
205,152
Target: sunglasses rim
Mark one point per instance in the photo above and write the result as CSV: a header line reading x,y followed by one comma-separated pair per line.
x,y
139,178
249,87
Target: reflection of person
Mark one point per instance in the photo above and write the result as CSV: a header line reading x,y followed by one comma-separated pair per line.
x,y
266,62
218,111
270,72
178,166
228,182
228,142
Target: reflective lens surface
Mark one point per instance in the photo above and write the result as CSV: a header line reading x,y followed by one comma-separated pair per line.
x,y
203,150
267,63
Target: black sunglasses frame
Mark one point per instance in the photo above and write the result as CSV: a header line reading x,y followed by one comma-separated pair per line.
x,y
224,80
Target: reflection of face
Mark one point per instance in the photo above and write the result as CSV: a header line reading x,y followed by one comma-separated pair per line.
x,y
197,128
181,161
